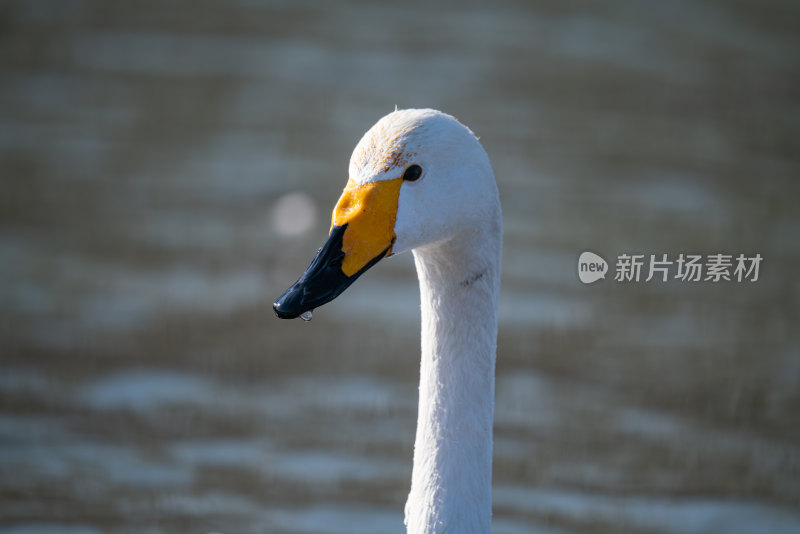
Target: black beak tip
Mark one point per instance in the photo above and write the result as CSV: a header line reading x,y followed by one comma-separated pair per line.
x,y
288,306
283,314
322,282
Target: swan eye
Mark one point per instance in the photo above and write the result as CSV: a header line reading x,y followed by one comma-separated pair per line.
x,y
412,173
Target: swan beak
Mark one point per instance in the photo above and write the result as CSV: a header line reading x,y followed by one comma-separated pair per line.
x,y
362,233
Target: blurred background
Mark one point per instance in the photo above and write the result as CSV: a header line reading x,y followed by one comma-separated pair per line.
x,y
168,169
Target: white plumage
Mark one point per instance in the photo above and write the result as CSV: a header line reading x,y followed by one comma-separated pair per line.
x,y
449,216
451,220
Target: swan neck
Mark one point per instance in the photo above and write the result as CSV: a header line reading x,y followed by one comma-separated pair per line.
x,y
452,474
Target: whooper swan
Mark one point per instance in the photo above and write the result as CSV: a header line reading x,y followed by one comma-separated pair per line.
x,y
419,180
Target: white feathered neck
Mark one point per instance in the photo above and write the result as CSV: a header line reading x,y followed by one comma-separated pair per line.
x,y
452,475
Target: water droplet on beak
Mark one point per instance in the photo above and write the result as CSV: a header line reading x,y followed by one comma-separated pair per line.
x,y
306,315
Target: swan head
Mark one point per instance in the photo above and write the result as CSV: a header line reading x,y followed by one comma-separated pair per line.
x,y
418,177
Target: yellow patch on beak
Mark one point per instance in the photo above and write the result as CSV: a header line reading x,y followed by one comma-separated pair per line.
x,y
369,210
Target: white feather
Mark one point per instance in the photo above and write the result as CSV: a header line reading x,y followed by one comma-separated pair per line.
x,y
451,219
